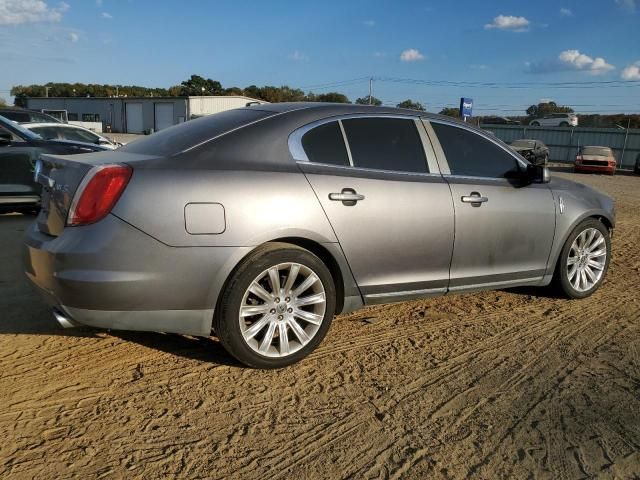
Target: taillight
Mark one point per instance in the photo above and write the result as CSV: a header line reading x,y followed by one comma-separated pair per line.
x,y
98,193
578,159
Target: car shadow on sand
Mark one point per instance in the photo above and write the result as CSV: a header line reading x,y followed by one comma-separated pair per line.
x,y
204,349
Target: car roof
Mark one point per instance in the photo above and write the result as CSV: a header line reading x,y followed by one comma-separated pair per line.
x,y
49,124
330,109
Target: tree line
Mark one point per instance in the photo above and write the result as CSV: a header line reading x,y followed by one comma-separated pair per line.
x,y
198,85
195,85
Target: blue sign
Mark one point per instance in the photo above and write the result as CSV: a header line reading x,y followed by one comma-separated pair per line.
x,y
466,107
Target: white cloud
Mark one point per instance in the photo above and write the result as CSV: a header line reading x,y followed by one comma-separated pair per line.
x,y
74,37
579,61
369,23
107,15
509,22
566,12
15,12
411,55
631,72
627,4
298,56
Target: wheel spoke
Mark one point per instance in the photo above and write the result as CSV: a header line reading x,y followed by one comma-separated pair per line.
x,y
260,292
308,316
268,337
299,332
284,338
583,280
591,233
291,278
572,272
595,244
249,310
256,327
274,278
310,280
589,273
576,279
595,264
598,253
311,300
572,260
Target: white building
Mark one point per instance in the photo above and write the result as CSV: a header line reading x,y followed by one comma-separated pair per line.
x,y
138,114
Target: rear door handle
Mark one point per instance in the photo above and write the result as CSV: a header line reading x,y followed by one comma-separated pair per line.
x,y
475,199
348,197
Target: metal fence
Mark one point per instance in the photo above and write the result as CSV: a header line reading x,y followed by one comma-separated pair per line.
x,y
564,142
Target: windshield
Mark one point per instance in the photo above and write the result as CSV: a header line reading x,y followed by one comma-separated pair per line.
x,y
19,130
598,151
523,143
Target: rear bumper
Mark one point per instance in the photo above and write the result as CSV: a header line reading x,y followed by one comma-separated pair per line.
x,y
595,168
111,275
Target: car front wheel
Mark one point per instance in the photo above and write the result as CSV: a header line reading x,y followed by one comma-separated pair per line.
x,y
584,259
277,306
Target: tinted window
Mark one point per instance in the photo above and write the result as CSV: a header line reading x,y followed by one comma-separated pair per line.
x,y
16,116
78,135
46,132
472,155
385,144
324,144
173,140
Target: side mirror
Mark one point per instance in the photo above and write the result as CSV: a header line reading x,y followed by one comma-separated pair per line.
x,y
538,174
5,138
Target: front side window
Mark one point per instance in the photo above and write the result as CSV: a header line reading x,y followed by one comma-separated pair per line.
x,y
325,144
47,133
472,155
385,144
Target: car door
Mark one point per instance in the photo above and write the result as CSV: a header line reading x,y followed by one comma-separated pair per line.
x,y
17,159
378,182
504,228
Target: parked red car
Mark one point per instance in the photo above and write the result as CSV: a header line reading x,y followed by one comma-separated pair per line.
x,y
595,160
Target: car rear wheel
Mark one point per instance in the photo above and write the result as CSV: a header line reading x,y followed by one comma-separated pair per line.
x,y
277,306
564,124
535,124
584,259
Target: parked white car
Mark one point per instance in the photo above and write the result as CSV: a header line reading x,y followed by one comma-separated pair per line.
x,y
64,131
556,120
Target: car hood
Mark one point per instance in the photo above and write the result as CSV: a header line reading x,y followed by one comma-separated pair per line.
x,y
520,149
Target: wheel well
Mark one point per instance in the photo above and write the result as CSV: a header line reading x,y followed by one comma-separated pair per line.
x,y
326,257
604,220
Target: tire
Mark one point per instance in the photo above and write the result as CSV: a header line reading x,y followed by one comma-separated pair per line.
x,y
535,124
262,347
567,282
545,160
564,124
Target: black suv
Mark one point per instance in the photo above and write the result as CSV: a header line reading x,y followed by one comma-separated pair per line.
x,y
19,150
22,115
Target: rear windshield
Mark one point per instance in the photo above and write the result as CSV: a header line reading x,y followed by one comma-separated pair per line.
x,y
178,138
600,151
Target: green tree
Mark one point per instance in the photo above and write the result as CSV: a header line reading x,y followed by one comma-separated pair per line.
x,y
3,102
330,97
546,108
197,85
450,112
410,104
365,101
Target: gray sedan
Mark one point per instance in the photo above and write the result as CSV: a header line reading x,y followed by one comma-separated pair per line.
x,y
260,224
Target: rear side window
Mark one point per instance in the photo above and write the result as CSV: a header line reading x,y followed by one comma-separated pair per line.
x,y
325,144
174,140
47,133
385,144
470,154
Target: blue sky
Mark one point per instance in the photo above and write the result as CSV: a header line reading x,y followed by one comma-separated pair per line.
x,y
336,45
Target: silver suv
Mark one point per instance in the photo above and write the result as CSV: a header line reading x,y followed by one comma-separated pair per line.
x,y
556,120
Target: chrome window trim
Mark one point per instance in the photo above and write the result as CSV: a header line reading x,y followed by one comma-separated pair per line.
x,y
346,142
443,156
299,155
372,170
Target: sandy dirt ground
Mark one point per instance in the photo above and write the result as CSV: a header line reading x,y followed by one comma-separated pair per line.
x,y
506,384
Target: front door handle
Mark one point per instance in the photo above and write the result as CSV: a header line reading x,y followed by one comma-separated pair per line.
x,y
348,197
475,199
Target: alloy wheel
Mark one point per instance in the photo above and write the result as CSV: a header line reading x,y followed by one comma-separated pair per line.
x,y
282,309
587,260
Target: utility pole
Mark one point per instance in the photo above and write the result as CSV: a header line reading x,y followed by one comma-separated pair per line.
x,y
46,91
370,89
624,147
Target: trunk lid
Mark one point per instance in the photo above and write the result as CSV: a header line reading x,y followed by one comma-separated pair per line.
x,y
59,177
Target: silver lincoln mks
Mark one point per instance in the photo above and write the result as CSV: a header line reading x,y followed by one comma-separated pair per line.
x,y
259,225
